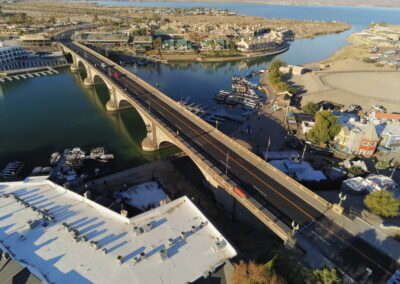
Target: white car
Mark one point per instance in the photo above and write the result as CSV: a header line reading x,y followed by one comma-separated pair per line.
x,y
104,65
379,107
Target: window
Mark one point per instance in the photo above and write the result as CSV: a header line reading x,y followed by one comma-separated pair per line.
x,y
365,143
372,144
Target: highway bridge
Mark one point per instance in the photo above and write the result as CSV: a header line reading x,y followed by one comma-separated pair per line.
x,y
273,197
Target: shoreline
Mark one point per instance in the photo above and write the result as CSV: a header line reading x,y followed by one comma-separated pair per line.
x,y
224,59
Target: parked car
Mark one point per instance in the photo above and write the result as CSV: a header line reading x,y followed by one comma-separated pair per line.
x,y
320,151
327,106
295,144
355,107
379,107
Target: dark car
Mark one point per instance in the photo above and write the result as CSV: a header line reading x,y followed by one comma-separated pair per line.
x,y
295,144
320,151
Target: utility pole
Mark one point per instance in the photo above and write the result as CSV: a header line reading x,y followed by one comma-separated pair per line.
x,y
394,169
266,153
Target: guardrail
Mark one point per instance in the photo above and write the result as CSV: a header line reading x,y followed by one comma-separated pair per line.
x,y
258,162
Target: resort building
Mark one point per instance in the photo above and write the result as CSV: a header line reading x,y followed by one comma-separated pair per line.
x,y
34,40
103,37
10,56
63,237
142,43
177,45
213,45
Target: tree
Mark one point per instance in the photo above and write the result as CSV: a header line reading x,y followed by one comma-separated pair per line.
x,y
253,273
157,44
276,64
382,203
325,275
310,107
326,127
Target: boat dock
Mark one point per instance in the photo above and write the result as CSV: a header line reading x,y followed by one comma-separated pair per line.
x,y
21,74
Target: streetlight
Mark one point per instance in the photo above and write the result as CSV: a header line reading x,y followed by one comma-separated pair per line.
x,y
304,150
295,227
216,124
394,169
342,197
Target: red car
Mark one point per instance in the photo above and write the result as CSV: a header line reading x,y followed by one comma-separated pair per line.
x,y
117,75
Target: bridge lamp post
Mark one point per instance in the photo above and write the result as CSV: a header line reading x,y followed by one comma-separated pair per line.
x,y
216,124
295,227
342,197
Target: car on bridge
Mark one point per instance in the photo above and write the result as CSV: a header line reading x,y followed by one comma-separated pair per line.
x,y
104,65
117,75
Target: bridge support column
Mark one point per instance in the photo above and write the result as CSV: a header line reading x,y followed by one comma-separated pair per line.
x,y
74,67
150,144
89,80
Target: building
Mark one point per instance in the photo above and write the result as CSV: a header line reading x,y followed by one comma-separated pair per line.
x,y
143,43
213,45
357,138
296,122
103,37
63,237
34,40
177,45
10,56
390,138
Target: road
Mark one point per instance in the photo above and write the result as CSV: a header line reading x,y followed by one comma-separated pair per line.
x,y
350,253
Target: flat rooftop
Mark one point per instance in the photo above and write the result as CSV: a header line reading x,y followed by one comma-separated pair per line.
x,y
63,237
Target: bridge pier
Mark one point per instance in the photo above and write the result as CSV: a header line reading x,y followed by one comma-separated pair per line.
x,y
148,145
73,67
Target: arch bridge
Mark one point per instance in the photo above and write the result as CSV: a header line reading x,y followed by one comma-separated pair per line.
x,y
238,176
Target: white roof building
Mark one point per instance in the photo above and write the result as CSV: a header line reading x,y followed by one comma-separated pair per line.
x,y
63,237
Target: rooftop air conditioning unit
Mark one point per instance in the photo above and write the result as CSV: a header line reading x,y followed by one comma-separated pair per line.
x,y
147,227
218,245
138,230
163,254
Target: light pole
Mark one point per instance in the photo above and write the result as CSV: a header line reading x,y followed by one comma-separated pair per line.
x,y
295,227
394,169
269,143
342,197
216,124
304,150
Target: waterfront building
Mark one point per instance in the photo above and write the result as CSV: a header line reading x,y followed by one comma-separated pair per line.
x,y
177,45
63,237
34,40
142,43
213,45
268,42
103,37
11,56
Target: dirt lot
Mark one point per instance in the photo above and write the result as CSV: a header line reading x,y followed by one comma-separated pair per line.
x,y
351,81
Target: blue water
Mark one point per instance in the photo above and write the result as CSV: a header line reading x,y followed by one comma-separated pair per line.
x,y
357,16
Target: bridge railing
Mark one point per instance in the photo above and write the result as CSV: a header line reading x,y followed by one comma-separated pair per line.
x,y
258,162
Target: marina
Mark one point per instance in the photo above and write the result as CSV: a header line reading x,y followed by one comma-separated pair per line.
x,y
242,94
26,74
